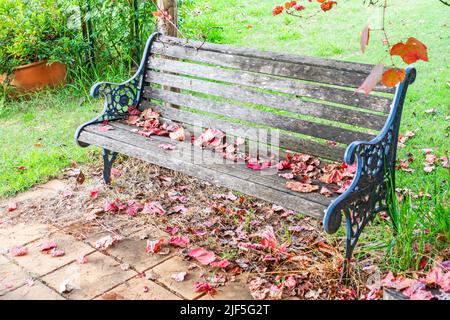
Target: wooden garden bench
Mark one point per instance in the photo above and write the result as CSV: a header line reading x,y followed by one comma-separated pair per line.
x,y
307,102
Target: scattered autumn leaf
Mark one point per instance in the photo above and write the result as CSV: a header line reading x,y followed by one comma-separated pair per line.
x,y
179,241
154,246
47,246
202,255
179,276
204,287
12,206
301,187
167,146
18,251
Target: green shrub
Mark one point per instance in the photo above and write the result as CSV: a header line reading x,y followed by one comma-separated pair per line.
x,y
36,30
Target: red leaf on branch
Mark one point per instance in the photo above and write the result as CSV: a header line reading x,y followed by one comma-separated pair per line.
x,y
411,51
365,36
372,80
392,77
277,10
327,5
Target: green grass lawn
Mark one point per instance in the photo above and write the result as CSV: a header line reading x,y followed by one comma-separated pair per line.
x,y
38,134
49,119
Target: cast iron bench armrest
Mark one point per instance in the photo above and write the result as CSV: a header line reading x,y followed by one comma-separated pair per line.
x,y
374,180
119,96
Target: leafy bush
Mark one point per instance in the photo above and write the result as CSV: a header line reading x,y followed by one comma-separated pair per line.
x,y
34,30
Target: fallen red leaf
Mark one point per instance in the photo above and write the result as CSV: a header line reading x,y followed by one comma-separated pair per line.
x,y
204,287
178,134
57,252
301,187
220,264
179,241
153,207
167,146
133,208
18,251
94,193
12,206
154,246
179,276
172,230
202,255
46,246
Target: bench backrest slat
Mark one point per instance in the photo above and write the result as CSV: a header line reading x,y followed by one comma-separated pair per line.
x,y
286,141
310,69
236,90
260,117
310,108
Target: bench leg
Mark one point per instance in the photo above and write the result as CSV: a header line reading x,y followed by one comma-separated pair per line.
x,y
108,159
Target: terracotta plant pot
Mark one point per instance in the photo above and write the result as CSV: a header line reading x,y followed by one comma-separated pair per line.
x,y
37,75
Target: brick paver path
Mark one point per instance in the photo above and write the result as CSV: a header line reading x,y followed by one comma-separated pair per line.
x,y
123,271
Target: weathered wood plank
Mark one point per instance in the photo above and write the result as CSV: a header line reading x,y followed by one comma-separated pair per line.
x,y
284,85
292,104
301,71
285,141
133,146
272,56
260,117
214,161
204,157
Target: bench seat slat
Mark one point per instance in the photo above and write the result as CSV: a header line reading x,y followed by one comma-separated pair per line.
x,y
341,115
239,168
277,84
302,71
260,117
132,144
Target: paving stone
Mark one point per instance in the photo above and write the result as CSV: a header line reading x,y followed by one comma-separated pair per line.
x,y
21,233
10,274
175,265
99,274
124,228
132,251
236,290
39,263
134,289
54,185
45,190
36,292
